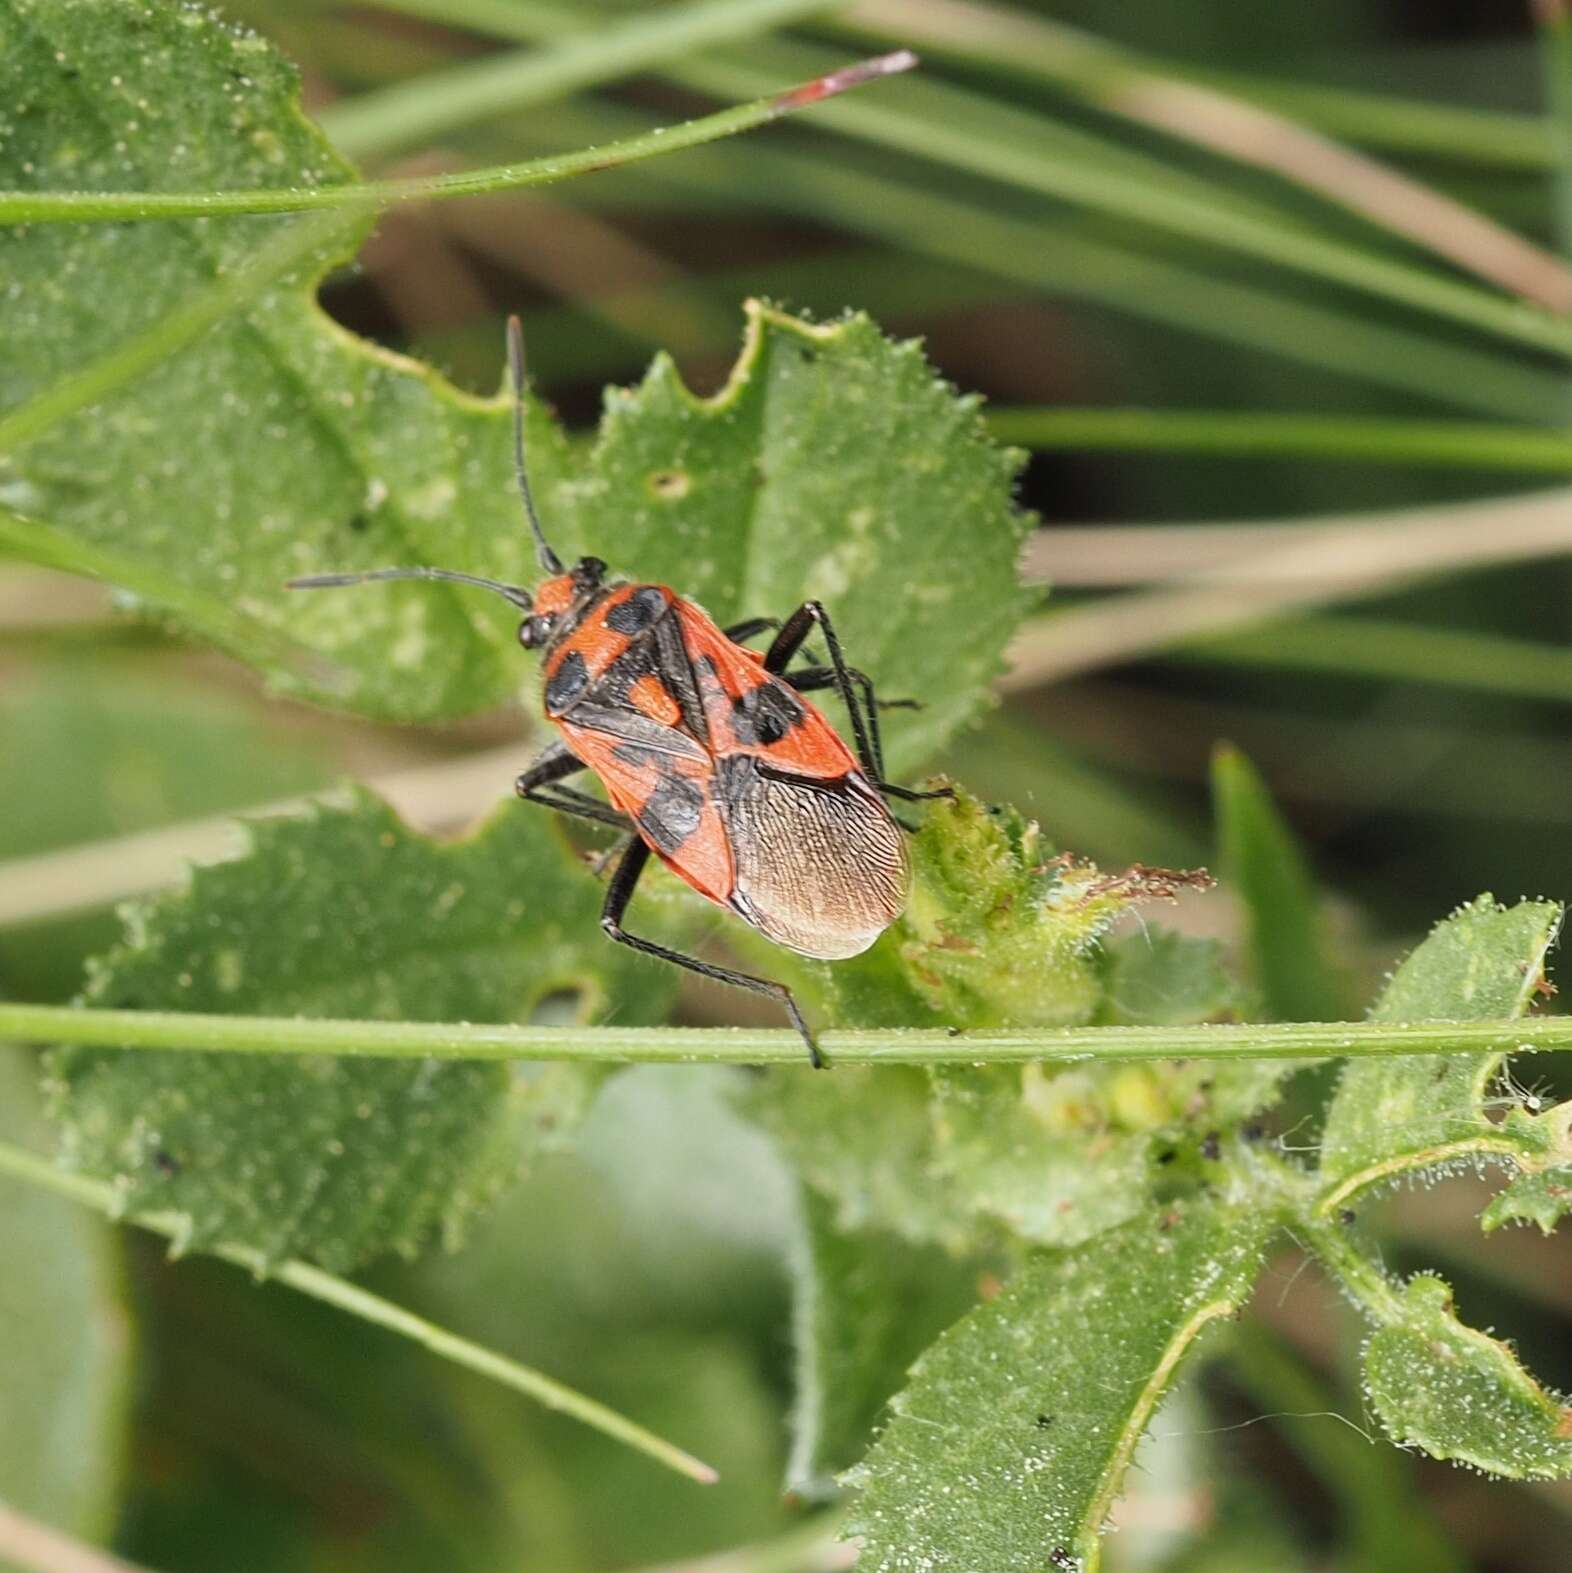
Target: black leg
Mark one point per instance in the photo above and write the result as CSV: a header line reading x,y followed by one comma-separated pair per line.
x,y
620,892
806,679
809,679
749,628
538,784
793,634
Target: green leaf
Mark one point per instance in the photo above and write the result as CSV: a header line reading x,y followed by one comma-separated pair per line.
x,y
1543,1197
347,914
864,1138
1484,962
832,464
1459,1394
646,1265
1057,1155
65,1342
1009,1447
1260,858
867,1304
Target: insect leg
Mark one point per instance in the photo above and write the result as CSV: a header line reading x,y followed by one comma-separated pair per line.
x,y
538,784
793,634
807,679
740,633
620,892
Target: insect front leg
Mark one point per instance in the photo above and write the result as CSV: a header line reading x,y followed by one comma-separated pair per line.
x,y
620,892
538,784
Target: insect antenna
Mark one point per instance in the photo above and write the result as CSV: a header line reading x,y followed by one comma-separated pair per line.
x,y
548,558
333,581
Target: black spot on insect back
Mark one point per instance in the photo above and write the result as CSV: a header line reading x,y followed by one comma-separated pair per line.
x,y
672,813
636,614
567,684
764,715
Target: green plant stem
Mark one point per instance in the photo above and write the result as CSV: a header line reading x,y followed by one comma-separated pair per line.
x,y
413,112
1251,434
57,207
137,1029
318,1285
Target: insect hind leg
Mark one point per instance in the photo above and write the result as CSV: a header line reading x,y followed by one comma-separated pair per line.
x,y
620,892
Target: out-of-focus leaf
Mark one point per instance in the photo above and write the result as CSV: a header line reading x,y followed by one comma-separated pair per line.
x,y
1460,1394
1010,1445
1259,856
867,1304
346,914
65,1342
1484,962
1058,1155
656,1280
1158,977
93,751
864,1138
833,464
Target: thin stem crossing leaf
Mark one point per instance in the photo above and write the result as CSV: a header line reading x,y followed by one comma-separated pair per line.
x,y
373,1308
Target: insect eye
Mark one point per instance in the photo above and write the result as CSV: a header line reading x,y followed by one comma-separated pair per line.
x,y
534,631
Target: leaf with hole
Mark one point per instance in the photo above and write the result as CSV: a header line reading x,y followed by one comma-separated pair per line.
x,y
832,464
346,914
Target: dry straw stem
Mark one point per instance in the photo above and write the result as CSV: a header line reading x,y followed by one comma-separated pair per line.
x,y
1214,589
31,1547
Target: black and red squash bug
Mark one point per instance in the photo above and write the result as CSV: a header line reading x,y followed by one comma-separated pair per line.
x,y
710,754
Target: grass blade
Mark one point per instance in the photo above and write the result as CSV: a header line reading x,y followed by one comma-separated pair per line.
x,y
416,111
968,132
1260,858
1034,49
1255,434
1397,652
62,207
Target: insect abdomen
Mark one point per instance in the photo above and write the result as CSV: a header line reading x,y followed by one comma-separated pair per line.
x,y
820,866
